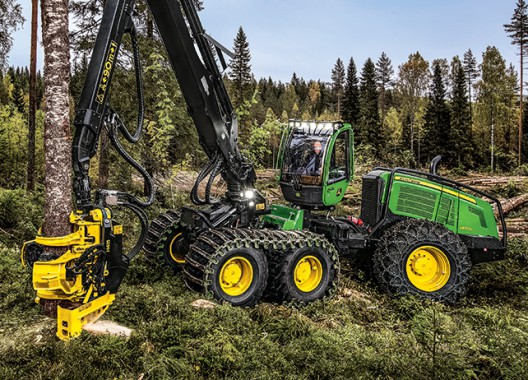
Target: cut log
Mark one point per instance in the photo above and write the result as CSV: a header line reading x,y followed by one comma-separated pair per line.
x,y
508,205
516,226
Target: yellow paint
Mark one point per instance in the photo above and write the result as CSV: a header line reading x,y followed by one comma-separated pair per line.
x,y
107,69
436,187
428,268
71,322
308,274
53,280
236,276
260,206
178,257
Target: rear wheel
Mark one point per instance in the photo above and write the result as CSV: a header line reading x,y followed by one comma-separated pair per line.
x,y
304,274
422,258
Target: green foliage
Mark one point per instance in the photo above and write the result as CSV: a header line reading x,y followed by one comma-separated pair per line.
x,y
13,146
437,127
240,69
369,129
351,95
21,215
162,129
496,109
360,332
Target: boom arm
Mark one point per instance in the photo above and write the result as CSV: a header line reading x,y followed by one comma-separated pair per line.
x,y
202,86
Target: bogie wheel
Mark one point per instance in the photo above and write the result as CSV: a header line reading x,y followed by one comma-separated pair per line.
x,y
239,277
155,231
422,258
228,270
173,246
303,274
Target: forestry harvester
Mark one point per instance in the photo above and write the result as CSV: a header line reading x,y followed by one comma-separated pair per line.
x,y
420,232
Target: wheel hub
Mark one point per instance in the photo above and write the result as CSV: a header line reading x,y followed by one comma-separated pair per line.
x,y
308,274
177,256
428,268
236,276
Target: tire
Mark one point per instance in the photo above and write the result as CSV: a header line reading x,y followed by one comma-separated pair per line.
x,y
303,275
173,246
227,269
155,231
422,258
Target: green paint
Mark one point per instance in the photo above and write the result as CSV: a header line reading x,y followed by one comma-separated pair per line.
x,y
458,211
287,218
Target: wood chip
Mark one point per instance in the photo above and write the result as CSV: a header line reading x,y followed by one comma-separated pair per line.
x,y
203,304
107,328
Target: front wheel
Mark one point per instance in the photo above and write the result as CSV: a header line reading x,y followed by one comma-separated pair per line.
x,y
221,264
422,258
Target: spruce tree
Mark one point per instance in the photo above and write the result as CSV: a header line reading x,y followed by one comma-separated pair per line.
x,y
351,99
437,118
518,31
384,73
461,136
338,84
472,74
240,69
369,123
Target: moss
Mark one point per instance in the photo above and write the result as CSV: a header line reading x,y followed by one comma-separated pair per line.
x,y
361,333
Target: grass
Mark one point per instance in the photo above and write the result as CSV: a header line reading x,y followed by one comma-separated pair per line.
x,y
361,333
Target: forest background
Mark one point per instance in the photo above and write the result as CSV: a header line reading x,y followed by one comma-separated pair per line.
x,y
466,108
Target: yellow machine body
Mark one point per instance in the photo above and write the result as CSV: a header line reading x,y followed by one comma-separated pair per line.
x,y
53,279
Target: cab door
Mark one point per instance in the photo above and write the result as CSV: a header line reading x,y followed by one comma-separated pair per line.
x,y
338,167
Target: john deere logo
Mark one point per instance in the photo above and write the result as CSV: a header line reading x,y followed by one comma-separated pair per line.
x,y
339,191
107,69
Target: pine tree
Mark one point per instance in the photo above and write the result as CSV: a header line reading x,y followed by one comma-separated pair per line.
x,y
338,84
369,122
518,31
351,99
241,69
437,119
57,135
384,73
461,135
32,98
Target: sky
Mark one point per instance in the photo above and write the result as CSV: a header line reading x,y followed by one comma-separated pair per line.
x,y
307,36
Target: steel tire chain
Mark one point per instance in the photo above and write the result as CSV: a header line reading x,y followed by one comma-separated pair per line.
x,y
396,241
156,229
214,244
276,264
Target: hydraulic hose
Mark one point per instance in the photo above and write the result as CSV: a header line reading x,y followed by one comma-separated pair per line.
x,y
144,227
214,174
195,198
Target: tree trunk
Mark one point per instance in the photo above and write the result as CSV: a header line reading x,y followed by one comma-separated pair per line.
x,y
57,132
32,97
521,107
